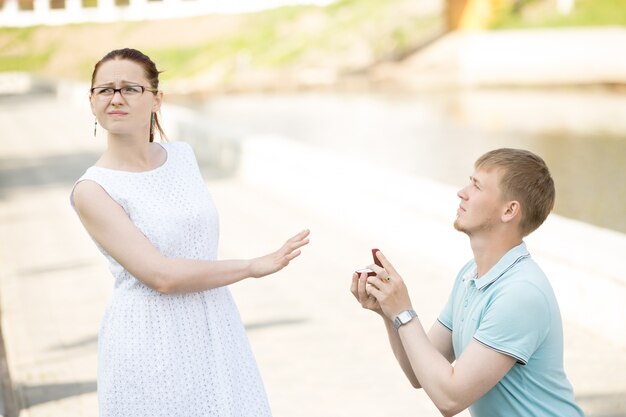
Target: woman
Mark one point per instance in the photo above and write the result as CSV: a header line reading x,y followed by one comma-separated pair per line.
x,y
171,342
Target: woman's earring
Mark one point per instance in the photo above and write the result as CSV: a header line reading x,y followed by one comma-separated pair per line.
x,y
95,126
152,125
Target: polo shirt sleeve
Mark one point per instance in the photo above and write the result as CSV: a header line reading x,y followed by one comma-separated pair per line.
x,y
516,321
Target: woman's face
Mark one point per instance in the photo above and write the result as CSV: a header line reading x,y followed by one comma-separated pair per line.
x,y
125,112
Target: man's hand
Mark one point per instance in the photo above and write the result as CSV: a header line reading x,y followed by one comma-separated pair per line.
x,y
388,288
359,290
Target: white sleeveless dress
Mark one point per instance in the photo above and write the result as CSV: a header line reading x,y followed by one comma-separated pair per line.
x,y
184,355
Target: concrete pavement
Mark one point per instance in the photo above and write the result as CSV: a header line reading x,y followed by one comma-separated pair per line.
x,y
516,58
319,353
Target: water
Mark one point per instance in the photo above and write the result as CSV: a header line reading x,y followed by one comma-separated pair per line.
x,y
580,134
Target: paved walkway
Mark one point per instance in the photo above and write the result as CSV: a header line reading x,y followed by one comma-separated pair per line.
x,y
516,58
319,353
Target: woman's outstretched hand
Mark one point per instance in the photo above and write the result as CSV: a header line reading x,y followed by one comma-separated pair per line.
x,y
275,261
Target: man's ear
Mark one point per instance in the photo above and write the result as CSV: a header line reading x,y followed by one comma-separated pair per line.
x,y
512,211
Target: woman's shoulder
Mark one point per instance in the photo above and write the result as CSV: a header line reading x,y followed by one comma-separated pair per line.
x,y
176,145
180,151
87,190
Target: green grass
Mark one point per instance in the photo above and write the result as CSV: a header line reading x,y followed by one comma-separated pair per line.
x,y
283,38
539,14
24,62
14,37
264,43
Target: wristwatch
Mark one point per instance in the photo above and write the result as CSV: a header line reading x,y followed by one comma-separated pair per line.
x,y
403,318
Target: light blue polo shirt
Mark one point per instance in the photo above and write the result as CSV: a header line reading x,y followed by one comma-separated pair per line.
x,y
512,309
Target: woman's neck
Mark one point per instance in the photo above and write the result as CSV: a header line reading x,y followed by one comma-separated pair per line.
x,y
131,154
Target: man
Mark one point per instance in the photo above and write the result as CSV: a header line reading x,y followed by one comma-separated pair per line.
x,y
501,326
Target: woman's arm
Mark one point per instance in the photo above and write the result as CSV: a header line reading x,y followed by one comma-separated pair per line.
x,y
109,225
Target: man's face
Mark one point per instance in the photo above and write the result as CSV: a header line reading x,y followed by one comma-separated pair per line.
x,y
481,203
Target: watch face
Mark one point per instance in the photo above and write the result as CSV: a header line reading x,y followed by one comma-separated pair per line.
x,y
404,317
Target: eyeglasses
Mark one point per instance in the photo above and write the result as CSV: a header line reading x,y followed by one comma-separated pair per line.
x,y
129,92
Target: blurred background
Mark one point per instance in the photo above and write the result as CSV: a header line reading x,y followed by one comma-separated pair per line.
x,y
358,119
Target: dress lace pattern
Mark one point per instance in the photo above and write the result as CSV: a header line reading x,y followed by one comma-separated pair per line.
x,y
181,355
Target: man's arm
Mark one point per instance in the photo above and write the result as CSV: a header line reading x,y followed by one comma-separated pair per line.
x,y
452,388
439,336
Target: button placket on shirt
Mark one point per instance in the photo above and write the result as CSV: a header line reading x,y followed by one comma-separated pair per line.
x,y
470,291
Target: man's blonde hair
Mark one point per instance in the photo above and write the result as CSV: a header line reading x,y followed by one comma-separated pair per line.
x,y
524,177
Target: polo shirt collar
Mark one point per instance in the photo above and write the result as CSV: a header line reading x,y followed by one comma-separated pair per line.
x,y
505,263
